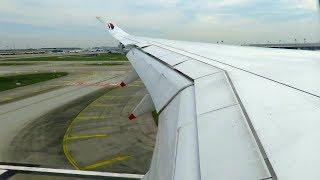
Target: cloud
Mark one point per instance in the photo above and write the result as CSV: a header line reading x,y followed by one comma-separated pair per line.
x,y
72,22
305,4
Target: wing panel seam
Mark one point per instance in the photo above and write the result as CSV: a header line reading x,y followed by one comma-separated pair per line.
x,y
170,100
252,129
224,107
167,65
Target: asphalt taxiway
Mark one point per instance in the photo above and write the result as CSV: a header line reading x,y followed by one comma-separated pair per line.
x,y
75,122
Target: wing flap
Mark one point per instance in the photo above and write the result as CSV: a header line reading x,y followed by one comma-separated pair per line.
x,y
165,55
224,138
223,133
213,93
195,69
162,82
176,152
156,52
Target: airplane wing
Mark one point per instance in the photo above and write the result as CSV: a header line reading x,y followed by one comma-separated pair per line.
x,y
229,112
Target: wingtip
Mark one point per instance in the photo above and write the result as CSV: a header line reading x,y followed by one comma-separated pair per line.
x,y
100,19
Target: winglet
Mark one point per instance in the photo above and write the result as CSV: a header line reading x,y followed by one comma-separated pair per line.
x,y
112,28
109,25
116,32
100,19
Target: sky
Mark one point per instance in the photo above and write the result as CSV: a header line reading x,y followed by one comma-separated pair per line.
x,y
72,23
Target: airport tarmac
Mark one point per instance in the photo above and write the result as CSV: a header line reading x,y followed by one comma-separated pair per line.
x,y
76,122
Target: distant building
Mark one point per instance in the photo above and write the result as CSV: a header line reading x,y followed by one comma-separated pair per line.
x,y
304,46
6,52
91,51
62,50
102,50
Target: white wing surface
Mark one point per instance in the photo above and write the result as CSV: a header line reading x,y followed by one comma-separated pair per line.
x,y
230,112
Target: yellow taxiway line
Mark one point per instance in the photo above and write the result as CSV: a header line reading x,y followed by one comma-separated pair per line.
x,y
91,117
106,162
114,96
105,105
102,105
6,98
86,136
65,141
66,151
133,85
67,137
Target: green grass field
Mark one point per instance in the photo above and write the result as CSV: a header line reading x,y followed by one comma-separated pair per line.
x,y
155,116
101,57
16,64
10,82
105,64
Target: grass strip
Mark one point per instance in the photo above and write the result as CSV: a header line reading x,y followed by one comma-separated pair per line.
x,y
155,116
16,64
105,64
10,82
